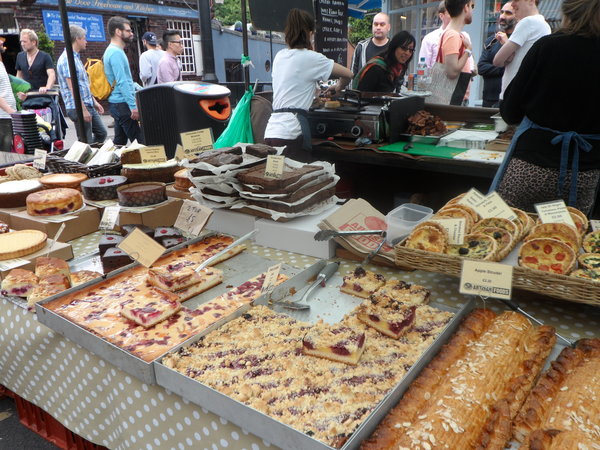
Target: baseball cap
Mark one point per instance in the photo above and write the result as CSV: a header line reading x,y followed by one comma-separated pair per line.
x,y
150,38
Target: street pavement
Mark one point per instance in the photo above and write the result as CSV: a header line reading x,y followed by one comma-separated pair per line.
x,y
71,134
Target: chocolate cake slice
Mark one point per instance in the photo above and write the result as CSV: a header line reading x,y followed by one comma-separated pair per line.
x,y
109,241
260,150
162,233
113,259
256,177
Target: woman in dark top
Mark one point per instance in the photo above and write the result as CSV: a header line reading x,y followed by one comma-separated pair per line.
x,y
555,153
385,73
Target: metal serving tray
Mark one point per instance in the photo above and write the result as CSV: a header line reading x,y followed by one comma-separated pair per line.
x,y
330,305
236,270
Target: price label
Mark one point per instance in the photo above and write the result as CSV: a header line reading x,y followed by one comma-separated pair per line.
x,y
493,206
275,165
472,198
179,154
153,154
595,225
109,217
39,159
192,217
486,279
141,247
554,212
455,229
271,278
197,141
12,264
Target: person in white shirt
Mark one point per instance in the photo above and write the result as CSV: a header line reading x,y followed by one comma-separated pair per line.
x,y
149,59
530,27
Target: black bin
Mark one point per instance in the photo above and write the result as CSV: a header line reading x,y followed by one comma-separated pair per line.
x,y
168,109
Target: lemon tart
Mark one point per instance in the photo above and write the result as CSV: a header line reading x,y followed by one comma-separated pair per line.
x,y
21,243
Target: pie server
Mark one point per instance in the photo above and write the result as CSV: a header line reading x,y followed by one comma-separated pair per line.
x,y
215,257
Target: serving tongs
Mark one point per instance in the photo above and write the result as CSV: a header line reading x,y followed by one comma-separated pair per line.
x,y
325,235
215,257
325,273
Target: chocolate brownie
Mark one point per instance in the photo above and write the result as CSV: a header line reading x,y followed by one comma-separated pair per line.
x,y
216,158
109,241
113,259
162,233
256,176
260,150
289,208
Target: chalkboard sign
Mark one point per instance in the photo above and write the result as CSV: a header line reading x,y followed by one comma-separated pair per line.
x,y
272,14
332,29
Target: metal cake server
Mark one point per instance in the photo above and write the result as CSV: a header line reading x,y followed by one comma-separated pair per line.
x,y
325,273
325,235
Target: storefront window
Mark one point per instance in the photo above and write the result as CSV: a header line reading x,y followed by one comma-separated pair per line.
x,y
187,58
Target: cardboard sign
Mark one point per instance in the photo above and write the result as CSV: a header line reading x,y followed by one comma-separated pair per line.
x,y
455,229
109,217
472,198
179,153
192,217
486,279
141,247
270,278
493,206
275,165
595,224
197,141
153,154
39,159
554,212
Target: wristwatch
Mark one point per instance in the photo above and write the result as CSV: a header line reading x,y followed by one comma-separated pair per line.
x,y
469,52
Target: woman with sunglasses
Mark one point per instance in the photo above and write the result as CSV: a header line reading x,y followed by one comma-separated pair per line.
x,y
385,73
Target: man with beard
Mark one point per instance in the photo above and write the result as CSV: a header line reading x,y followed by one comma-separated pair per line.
x,y
8,105
373,46
121,101
530,27
492,75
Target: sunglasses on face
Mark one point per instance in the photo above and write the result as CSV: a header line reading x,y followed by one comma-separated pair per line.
x,y
407,49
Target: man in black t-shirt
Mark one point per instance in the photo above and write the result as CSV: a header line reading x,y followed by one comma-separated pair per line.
x,y
34,65
369,48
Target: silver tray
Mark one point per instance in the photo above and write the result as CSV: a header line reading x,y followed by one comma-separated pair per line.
x,y
429,139
330,305
235,271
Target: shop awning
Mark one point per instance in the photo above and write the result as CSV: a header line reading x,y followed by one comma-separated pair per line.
x,y
358,8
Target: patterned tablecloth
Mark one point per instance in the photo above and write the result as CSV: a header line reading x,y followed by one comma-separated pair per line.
x,y
107,406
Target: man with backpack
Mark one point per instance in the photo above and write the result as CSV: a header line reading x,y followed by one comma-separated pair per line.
x,y
95,131
121,101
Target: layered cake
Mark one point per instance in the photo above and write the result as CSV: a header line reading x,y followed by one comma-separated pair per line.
x,y
52,202
126,229
260,150
114,258
182,181
394,322
19,282
16,244
63,180
131,156
14,193
162,172
142,194
102,188
109,241
172,278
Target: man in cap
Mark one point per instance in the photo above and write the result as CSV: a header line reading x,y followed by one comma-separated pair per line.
x,y
149,59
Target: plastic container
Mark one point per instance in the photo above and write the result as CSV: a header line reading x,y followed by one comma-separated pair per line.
x,y
403,219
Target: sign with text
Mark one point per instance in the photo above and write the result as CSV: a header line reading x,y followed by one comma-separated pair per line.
x,y
197,141
472,198
153,154
271,278
179,154
455,229
554,212
275,165
486,279
494,206
109,217
331,38
595,224
141,247
192,217
92,23
39,159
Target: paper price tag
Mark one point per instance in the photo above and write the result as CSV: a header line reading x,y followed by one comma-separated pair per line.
x,y
153,154
486,279
39,159
192,217
472,198
275,165
493,206
197,141
141,247
455,229
12,264
595,225
179,154
270,278
109,217
554,212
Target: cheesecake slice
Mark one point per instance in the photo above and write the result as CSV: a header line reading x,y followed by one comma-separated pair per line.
x,y
154,306
362,283
391,322
337,342
19,282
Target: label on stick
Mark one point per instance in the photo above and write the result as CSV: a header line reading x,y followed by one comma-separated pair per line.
x,y
196,141
39,159
153,154
271,278
275,165
109,217
141,247
554,212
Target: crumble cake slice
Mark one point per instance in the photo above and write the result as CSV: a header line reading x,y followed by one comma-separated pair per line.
x,y
334,342
389,321
400,291
362,283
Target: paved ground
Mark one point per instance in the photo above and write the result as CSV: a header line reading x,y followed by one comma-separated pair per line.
x,y
71,135
13,435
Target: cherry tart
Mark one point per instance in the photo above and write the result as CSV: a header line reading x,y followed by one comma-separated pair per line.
x,y
156,306
334,342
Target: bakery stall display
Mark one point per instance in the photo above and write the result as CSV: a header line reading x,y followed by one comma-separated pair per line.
x,y
469,394
14,193
20,172
16,244
102,188
63,180
142,194
52,202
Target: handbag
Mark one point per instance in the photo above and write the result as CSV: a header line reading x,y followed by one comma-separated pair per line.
x,y
444,90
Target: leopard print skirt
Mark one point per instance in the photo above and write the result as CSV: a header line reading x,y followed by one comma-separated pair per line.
x,y
525,184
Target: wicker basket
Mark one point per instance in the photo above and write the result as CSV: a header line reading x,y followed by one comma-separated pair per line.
x,y
56,163
553,285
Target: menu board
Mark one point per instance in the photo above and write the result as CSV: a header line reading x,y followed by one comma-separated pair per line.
x,y
332,29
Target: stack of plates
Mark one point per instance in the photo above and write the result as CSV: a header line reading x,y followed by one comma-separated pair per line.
x,y
24,124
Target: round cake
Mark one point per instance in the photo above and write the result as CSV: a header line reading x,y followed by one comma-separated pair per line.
x,y
63,180
182,182
14,193
52,202
142,194
163,172
4,228
102,188
21,243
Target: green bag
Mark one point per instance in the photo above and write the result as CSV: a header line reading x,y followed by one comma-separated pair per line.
x,y
18,85
239,129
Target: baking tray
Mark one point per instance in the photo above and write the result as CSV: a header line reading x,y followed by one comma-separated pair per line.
x,y
330,305
236,270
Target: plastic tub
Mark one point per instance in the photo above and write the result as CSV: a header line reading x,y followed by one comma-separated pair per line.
x,y
403,219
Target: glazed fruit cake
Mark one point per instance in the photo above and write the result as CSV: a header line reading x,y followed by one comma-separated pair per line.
x,y
258,359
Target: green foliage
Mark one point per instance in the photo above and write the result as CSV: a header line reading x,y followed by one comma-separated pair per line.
x,y
230,12
45,44
361,28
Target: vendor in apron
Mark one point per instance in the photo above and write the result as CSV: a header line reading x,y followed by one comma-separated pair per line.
x,y
296,71
555,152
